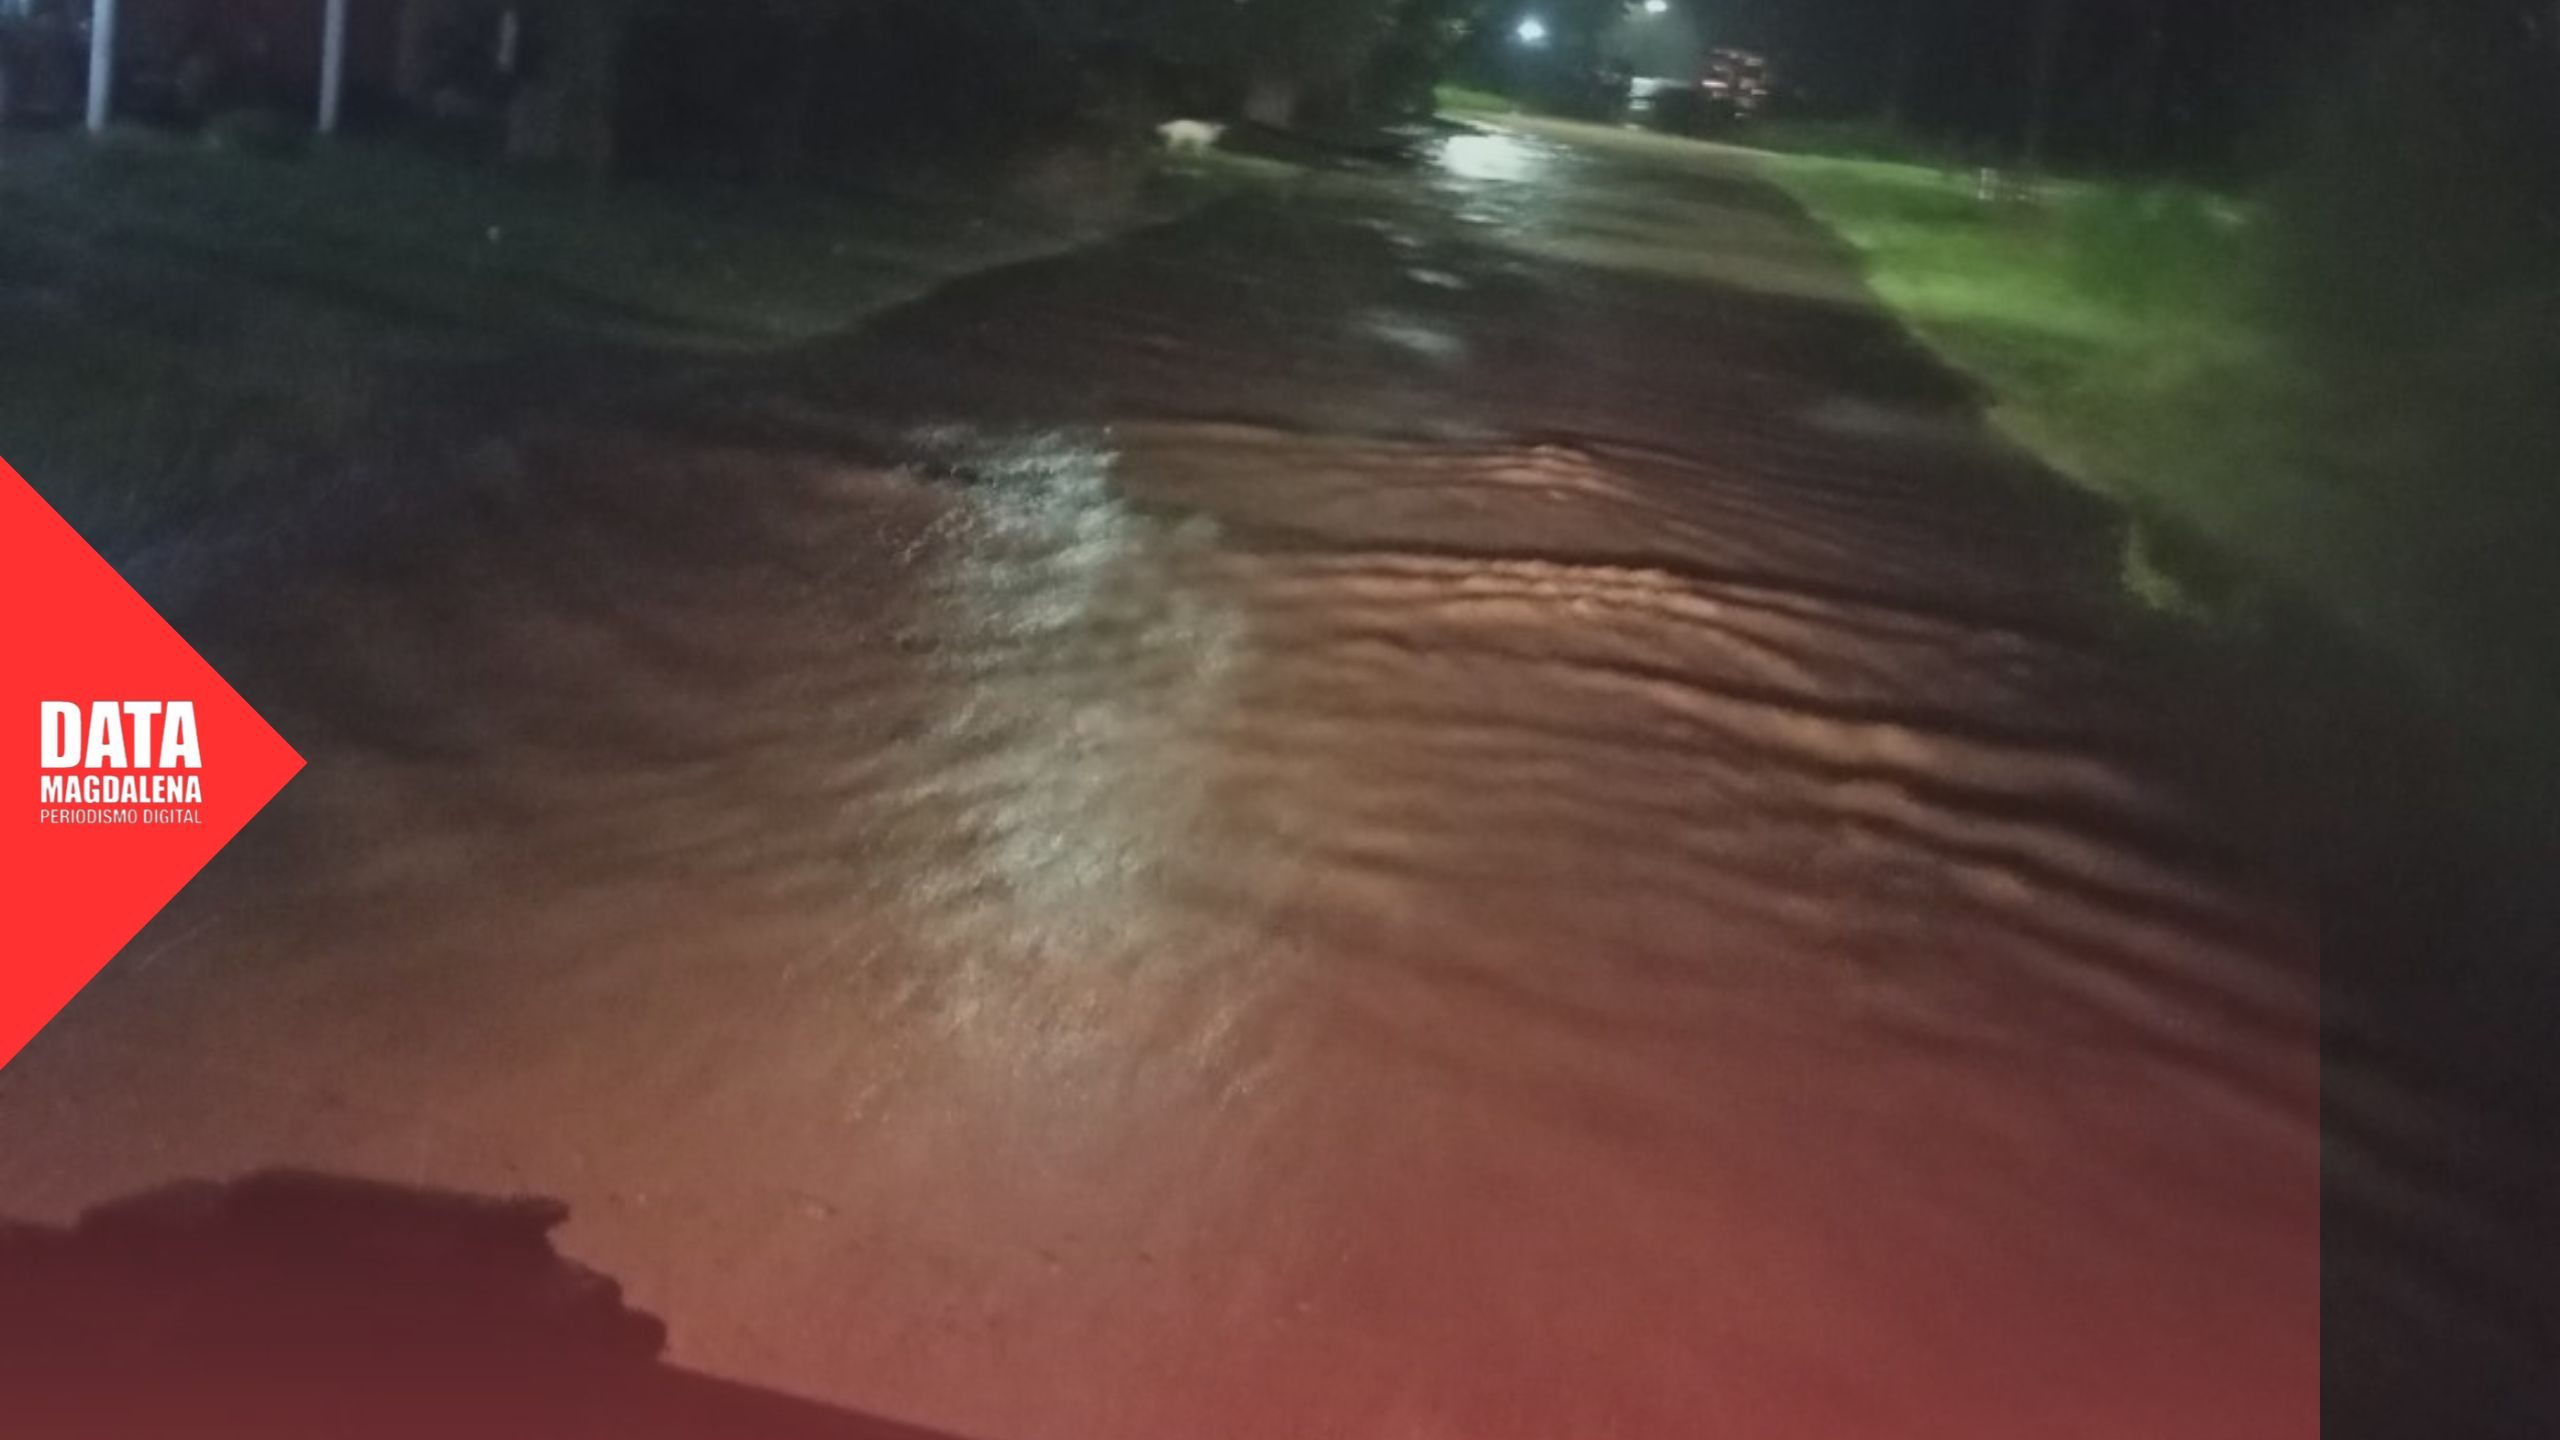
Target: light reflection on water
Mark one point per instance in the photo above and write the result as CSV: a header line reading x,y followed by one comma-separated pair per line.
x,y
1083,679
1505,159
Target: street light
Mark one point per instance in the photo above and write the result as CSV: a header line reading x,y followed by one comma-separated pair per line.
x,y
1657,7
1532,32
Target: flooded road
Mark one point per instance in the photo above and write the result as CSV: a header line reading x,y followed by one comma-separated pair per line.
x,y
1464,805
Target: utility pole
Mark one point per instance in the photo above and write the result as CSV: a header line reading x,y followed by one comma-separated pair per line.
x,y
333,65
102,63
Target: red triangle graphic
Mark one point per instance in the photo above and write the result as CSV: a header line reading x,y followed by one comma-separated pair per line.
x,y
91,849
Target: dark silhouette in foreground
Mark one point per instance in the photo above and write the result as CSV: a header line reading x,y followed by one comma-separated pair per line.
x,y
289,1305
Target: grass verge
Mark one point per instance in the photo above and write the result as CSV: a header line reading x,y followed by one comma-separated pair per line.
x,y
1461,99
2127,334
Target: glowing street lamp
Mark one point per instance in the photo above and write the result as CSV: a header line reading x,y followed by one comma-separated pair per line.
x,y
1657,7
1531,32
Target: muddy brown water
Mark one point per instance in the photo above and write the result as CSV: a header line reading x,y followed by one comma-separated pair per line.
x,y
1388,812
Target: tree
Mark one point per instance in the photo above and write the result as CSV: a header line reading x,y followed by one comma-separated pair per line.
x,y
1271,53
786,84
1904,71
2053,26
564,112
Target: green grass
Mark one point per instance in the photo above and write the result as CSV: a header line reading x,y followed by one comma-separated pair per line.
x,y
189,333
2137,338
2099,318
2116,329
1462,99
1840,139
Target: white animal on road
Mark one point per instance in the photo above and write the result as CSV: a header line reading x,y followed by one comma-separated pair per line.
x,y
1190,137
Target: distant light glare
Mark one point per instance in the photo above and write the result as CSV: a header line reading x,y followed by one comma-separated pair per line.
x,y
1657,7
1532,31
